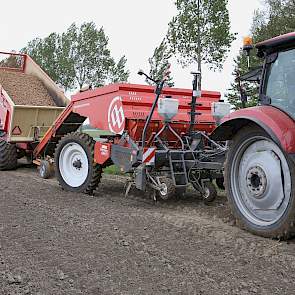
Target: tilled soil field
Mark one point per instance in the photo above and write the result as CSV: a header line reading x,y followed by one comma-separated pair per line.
x,y
56,242
25,89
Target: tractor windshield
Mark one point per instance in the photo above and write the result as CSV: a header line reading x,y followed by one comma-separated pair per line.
x,y
280,82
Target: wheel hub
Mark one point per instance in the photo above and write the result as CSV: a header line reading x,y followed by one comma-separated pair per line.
x,y
206,194
77,164
256,181
164,189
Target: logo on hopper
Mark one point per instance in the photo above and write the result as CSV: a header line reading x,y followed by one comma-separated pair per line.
x,y
116,117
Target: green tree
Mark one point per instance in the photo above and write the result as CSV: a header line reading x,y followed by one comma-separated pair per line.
x,y
159,63
118,72
233,94
275,18
77,57
43,51
200,32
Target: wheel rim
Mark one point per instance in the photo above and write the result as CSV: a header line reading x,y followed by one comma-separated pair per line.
x,y
260,181
73,164
206,193
42,170
164,189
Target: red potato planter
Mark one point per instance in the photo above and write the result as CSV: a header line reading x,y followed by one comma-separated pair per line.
x,y
128,111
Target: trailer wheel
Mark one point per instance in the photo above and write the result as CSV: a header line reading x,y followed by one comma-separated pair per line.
x,y
259,182
210,192
76,170
8,155
46,169
168,189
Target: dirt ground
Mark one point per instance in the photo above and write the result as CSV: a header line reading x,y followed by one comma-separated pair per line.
x,y
56,242
25,89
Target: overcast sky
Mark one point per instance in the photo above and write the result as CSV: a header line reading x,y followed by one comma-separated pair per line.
x,y
134,28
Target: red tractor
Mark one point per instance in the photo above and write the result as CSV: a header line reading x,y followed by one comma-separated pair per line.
x,y
260,168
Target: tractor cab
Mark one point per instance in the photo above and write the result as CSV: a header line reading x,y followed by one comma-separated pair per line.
x,y
278,75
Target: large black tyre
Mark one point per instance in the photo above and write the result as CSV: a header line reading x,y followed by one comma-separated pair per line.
x,y
76,170
8,156
259,181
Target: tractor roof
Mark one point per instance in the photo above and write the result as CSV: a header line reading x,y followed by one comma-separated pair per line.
x,y
276,44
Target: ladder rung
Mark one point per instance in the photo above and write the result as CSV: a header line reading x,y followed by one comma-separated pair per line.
x,y
195,113
196,104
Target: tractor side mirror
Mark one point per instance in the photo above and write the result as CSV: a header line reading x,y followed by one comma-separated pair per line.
x,y
242,90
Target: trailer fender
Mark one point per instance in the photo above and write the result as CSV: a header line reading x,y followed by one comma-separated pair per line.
x,y
276,123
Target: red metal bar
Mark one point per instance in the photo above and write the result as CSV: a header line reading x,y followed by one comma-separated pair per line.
x,y
51,131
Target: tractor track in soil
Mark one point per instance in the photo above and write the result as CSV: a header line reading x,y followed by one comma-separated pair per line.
x,y
56,242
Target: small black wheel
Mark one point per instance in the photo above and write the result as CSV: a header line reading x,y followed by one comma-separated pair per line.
x,y
45,169
210,192
168,189
220,183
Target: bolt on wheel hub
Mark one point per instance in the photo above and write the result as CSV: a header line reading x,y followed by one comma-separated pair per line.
x,y
256,181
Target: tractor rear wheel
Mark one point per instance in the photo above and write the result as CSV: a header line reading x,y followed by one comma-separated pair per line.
x,y
8,155
76,170
259,180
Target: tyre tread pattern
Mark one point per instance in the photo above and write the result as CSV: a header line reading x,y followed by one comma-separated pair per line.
x,y
8,156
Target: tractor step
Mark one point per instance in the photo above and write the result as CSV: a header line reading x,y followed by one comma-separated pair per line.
x,y
178,168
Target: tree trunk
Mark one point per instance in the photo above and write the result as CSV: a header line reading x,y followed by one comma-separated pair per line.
x,y
199,57
200,69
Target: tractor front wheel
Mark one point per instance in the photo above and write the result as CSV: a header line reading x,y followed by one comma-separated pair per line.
x,y
259,180
76,170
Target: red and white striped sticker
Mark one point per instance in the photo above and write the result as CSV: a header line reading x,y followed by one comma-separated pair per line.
x,y
148,156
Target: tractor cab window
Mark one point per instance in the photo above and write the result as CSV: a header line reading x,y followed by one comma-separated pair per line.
x,y
280,82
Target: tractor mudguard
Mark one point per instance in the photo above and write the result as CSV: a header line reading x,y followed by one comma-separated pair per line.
x,y
279,126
